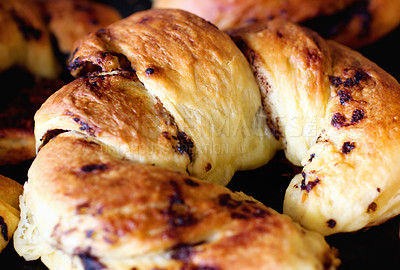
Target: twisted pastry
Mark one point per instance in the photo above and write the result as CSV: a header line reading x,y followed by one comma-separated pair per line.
x,y
9,209
355,23
337,114
36,36
90,204
101,212
202,128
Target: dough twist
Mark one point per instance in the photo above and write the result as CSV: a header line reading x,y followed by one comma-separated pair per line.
x,y
337,114
156,88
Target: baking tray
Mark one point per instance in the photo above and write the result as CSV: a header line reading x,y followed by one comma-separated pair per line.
x,y
377,247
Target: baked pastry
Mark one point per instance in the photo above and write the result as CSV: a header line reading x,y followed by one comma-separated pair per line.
x,y
190,75
9,209
101,212
36,38
337,114
352,22
98,194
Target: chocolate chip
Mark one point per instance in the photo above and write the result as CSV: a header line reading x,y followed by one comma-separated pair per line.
x,y
94,167
348,147
331,223
4,228
149,71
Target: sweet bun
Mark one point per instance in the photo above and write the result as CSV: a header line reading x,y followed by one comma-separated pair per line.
x,y
154,91
338,115
192,73
9,209
101,212
70,20
36,37
355,23
25,40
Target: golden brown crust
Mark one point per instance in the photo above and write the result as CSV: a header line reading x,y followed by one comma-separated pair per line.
x,y
196,72
70,20
117,110
133,215
25,39
351,22
87,204
9,209
347,111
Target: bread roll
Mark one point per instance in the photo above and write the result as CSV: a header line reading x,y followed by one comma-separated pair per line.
x,y
9,209
153,90
36,37
195,76
83,207
355,23
337,114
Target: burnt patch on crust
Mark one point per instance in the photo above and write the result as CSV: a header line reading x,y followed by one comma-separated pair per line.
x,y
178,212
331,223
50,134
183,252
372,208
27,29
4,229
242,209
191,183
90,262
347,147
94,168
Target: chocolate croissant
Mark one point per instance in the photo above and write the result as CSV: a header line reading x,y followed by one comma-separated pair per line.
x,y
354,23
337,114
157,93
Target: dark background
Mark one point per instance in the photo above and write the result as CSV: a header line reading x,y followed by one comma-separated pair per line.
x,y
377,247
